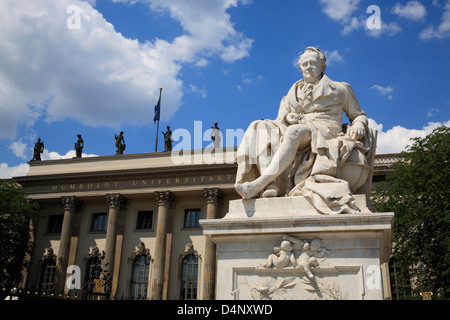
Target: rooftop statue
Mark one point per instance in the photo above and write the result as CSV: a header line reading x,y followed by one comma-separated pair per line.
x,y
215,135
38,149
120,143
168,139
79,145
305,151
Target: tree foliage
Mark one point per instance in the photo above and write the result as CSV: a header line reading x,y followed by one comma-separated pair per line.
x,y
418,193
18,215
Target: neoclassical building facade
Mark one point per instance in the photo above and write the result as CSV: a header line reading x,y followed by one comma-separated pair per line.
x,y
127,226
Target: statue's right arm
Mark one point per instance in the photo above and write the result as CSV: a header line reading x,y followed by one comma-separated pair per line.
x,y
283,111
285,107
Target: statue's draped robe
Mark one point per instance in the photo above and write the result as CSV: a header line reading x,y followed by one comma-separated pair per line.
x,y
318,164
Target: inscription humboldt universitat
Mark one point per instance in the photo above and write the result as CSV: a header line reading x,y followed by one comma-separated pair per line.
x,y
140,183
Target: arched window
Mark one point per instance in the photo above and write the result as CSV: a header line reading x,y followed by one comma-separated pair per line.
x,y
189,265
139,280
48,272
189,278
48,276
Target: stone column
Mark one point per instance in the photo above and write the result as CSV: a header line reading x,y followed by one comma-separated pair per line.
x,y
165,199
114,201
213,197
69,203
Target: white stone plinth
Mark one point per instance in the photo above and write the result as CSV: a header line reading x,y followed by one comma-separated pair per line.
x,y
354,251
280,207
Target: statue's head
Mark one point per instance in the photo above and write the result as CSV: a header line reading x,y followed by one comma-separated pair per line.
x,y
286,245
315,244
312,62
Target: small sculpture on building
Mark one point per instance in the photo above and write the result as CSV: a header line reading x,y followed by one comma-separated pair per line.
x,y
309,254
79,145
284,256
120,143
38,149
168,139
48,254
140,250
215,135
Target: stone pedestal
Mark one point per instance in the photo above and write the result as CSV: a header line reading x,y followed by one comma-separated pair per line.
x,y
281,248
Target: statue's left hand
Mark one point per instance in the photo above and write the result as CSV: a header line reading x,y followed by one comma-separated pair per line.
x,y
292,118
357,131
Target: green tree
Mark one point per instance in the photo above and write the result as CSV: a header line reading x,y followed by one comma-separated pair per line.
x,y
418,193
18,216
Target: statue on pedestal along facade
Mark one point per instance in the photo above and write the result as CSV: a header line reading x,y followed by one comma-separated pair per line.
x,y
304,151
38,149
168,139
120,143
79,145
215,135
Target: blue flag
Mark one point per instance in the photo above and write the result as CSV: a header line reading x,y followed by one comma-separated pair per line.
x,y
157,109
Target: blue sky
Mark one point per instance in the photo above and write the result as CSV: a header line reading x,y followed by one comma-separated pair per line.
x,y
94,68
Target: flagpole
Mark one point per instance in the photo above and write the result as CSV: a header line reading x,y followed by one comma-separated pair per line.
x,y
159,115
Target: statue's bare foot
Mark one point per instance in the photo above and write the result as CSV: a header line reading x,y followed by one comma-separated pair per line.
x,y
247,190
270,192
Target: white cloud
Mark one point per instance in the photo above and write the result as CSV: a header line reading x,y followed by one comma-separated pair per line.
x,y
412,10
200,91
340,10
384,91
208,29
396,139
93,74
202,62
353,24
333,56
237,51
432,112
389,28
19,149
344,12
53,155
443,30
249,80
7,172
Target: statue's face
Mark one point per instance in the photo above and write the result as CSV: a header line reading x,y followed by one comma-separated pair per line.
x,y
310,65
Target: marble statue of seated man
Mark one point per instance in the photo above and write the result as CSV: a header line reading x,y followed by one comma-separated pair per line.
x,y
306,145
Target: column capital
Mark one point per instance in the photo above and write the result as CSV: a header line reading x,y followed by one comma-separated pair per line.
x,y
71,203
116,200
165,198
213,195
